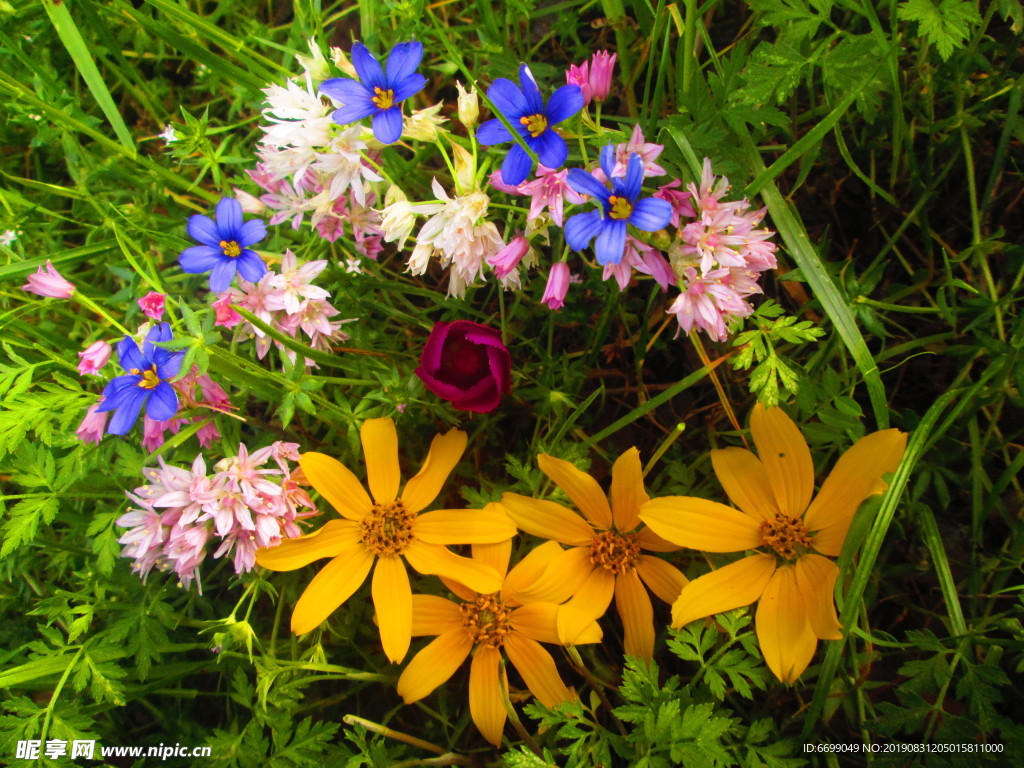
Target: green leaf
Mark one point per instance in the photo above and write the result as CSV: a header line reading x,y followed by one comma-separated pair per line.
x,y
947,25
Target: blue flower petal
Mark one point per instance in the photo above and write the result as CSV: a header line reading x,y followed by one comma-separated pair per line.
x,y
203,229
250,266
402,61
564,103
162,403
114,392
222,275
587,184
508,99
634,177
651,214
129,355
534,101
229,218
582,228
516,167
345,90
493,132
411,85
550,149
127,412
608,159
161,332
353,113
200,258
611,243
170,367
251,233
368,68
387,125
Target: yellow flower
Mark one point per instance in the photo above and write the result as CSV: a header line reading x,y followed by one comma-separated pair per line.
x,y
788,574
606,556
515,619
387,528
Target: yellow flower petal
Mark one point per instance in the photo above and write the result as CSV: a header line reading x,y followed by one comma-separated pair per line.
x,y
816,577
628,493
701,524
637,614
485,703
663,579
464,526
786,458
336,483
433,665
431,559
652,542
380,451
783,631
445,452
521,583
461,591
564,576
731,586
745,481
584,491
335,537
537,668
588,604
538,621
392,597
547,520
856,476
433,615
330,588
495,555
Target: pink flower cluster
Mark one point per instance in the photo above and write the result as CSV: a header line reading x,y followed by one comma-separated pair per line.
x,y
288,302
718,258
242,506
308,164
594,77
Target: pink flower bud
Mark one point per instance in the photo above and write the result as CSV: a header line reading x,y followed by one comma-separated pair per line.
x,y
226,316
49,282
94,358
508,258
581,76
601,66
93,426
558,285
152,305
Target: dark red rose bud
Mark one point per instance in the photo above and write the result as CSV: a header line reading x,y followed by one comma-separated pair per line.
x,y
466,363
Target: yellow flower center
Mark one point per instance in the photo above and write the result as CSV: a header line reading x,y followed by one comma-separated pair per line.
x,y
621,209
487,620
535,124
788,536
614,551
388,529
150,378
231,249
383,99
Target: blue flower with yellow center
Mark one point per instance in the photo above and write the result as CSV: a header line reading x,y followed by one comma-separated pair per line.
x,y
147,381
619,208
224,248
525,110
378,92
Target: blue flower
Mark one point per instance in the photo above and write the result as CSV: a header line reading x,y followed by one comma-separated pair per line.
x,y
224,246
377,92
146,381
619,207
524,108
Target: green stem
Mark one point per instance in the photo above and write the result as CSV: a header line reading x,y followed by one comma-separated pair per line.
x,y
90,304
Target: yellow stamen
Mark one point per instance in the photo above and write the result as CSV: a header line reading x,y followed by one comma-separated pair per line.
x,y
614,551
388,529
383,99
535,124
621,209
230,248
788,536
487,620
150,378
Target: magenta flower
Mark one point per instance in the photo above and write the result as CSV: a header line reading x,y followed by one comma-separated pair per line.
x,y
224,314
467,364
558,286
152,305
48,282
94,358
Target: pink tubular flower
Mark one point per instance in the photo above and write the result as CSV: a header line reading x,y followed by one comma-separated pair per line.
x,y
94,357
711,300
225,315
152,305
580,76
550,190
467,364
508,258
679,200
48,282
644,259
557,287
93,426
601,66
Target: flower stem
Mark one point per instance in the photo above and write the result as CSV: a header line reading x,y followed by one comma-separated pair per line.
x,y
383,730
90,304
705,360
